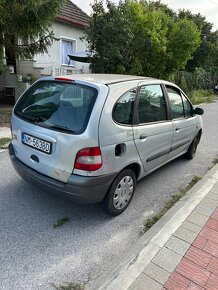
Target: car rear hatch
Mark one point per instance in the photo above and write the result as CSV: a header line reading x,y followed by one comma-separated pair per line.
x,y
50,125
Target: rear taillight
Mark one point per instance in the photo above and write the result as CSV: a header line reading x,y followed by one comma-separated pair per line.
x,y
88,159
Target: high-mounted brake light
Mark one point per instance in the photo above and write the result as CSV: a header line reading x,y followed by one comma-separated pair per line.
x,y
88,159
64,79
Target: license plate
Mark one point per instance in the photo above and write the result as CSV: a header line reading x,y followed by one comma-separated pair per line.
x,y
36,143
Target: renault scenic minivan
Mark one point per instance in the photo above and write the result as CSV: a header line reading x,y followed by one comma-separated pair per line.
x,y
91,137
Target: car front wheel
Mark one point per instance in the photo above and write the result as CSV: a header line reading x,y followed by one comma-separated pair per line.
x,y
192,149
120,193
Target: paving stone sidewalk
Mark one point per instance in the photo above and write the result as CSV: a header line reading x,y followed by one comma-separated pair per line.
x,y
179,252
189,260
198,269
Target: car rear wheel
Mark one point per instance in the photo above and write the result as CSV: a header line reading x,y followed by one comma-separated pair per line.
x,y
120,193
192,149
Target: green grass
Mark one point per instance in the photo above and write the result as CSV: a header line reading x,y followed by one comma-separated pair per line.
x,y
69,286
214,162
60,222
202,96
194,180
4,142
5,114
168,204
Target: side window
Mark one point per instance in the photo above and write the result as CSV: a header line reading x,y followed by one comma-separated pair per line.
x,y
123,109
176,102
187,107
152,107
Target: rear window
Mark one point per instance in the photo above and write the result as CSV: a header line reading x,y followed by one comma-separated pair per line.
x,y
61,106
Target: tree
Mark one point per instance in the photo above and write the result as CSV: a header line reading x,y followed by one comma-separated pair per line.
x,y
109,35
143,38
149,27
206,54
24,26
184,39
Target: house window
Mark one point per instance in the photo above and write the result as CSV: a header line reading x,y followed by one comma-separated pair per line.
x,y
67,47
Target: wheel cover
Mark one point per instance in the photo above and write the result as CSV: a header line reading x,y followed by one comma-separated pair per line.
x,y
123,192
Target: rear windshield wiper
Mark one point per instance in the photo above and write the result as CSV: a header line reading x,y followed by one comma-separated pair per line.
x,y
64,129
35,119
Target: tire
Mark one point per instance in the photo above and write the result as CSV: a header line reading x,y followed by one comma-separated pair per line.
x,y
120,192
192,149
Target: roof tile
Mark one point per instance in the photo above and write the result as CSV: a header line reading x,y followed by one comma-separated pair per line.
x,y
72,14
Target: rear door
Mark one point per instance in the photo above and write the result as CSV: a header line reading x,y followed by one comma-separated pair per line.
x,y
153,131
184,123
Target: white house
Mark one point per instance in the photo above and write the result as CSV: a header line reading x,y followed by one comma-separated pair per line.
x,y
68,29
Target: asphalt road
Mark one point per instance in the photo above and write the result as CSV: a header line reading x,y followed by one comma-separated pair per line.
x,y
33,254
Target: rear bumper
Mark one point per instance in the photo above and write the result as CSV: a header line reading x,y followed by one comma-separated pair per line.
x,y
80,189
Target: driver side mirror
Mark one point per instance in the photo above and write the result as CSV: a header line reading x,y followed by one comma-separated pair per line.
x,y
198,111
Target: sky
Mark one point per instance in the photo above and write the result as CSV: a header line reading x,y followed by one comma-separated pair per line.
x,y
207,8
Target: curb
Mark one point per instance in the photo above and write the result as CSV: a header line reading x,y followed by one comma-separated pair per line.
x,y
125,271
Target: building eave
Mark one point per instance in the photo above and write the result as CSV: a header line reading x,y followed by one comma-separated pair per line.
x,y
72,22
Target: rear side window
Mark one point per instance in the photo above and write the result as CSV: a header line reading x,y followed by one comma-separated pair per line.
x,y
57,105
181,107
152,107
123,109
176,102
187,107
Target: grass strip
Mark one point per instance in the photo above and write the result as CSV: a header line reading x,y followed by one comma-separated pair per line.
x,y
214,162
173,199
4,142
202,96
60,222
69,286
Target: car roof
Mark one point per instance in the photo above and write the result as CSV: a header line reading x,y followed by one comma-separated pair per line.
x,y
106,79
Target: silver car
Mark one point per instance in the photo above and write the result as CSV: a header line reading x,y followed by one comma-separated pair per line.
x,y
91,137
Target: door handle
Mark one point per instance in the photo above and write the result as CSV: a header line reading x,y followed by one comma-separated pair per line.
x,y
143,136
177,129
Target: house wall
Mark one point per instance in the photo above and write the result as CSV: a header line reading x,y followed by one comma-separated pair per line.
x,y
46,64
52,60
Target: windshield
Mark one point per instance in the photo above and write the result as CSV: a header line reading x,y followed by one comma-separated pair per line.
x,y
60,106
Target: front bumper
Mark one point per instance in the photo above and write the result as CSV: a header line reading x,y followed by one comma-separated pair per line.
x,y
81,189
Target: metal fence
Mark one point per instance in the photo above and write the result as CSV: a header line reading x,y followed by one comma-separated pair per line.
x,y
7,96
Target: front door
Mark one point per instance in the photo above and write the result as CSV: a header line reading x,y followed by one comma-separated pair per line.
x,y
184,124
153,133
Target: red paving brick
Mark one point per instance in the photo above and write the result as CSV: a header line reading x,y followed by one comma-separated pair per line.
x,y
199,267
209,234
212,283
213,266
212,248
212,224
176,281
199,242
198,257
215,215
194,287
193,272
